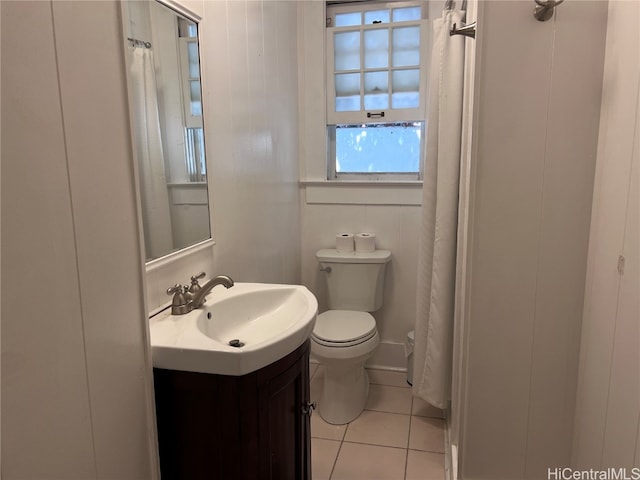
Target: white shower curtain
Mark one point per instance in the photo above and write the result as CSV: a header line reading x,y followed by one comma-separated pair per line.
x,y
437,253
154,196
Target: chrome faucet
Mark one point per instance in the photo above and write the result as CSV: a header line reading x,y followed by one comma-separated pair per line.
x,y
199,297
186,299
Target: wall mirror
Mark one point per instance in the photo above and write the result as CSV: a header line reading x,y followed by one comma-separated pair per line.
x,y
167,122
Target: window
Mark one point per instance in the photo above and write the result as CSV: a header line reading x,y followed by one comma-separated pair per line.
x,y
192,100
376,98
376,148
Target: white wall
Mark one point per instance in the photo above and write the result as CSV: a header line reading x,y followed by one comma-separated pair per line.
x,y
76,385
538,87
608,404
249,58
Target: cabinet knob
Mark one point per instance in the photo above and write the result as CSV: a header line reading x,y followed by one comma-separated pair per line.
x,y
309,408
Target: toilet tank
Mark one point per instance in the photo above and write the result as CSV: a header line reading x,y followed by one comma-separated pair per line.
x,y
355,281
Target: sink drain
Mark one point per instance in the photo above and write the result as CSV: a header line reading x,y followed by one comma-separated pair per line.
x,y
236,343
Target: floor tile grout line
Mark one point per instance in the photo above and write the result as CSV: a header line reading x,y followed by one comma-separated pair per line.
x,y
386,411
403,413
335,460
375,445
344,434
325,438
425,451
406,460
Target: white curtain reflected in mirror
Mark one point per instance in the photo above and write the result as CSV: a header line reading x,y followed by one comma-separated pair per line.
x,y
156,217
165,90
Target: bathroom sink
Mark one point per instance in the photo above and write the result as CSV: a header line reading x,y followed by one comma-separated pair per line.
x,y
237,331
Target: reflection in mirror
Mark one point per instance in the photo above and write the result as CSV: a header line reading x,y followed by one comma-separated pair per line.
x,y
164,83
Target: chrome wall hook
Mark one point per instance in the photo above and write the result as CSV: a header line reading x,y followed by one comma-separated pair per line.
x,y
545,9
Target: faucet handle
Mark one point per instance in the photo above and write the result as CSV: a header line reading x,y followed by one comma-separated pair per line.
x,y
195,286
180,304
197,277
177,288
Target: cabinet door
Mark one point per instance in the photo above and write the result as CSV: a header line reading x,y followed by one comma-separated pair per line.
x,y
190,435
284,425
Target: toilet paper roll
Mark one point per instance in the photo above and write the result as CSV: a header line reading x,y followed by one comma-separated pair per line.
x,y
344,242
365,242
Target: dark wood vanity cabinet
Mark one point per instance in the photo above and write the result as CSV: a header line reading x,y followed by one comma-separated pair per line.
x,y
253,427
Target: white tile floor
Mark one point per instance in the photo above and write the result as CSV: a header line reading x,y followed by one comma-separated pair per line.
x,y
397,437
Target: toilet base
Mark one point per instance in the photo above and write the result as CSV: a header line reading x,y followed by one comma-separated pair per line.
x,y
345,393
346,382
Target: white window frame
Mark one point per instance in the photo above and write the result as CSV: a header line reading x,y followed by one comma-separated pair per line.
x,y
193,124
362,116
390,115
190,121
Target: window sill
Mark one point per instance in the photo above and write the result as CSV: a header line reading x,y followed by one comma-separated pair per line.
x,y
363,192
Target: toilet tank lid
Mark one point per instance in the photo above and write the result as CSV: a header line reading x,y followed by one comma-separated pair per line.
x,y
332,255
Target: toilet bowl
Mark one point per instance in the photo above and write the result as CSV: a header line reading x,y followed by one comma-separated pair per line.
x,y
345,336
342,341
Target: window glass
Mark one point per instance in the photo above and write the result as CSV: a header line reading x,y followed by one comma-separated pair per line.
x,y
406,14
346,47
376,90
406,46
194,61
376,48
347,92
378,148
196,101
376,16
195,157
406,89
349,19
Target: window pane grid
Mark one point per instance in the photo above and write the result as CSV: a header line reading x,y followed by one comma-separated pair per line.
x,y
381,48
375,115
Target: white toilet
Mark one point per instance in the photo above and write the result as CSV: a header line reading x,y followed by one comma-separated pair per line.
x,y
345,336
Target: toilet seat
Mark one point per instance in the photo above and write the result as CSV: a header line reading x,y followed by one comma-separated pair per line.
x,y
343,328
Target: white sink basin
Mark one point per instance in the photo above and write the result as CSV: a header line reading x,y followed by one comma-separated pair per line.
x,y
270,321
